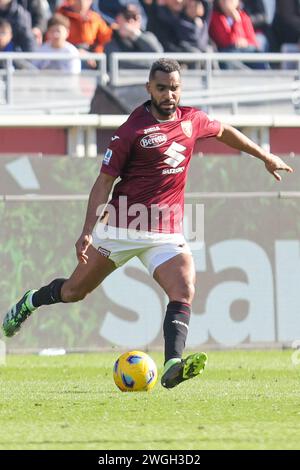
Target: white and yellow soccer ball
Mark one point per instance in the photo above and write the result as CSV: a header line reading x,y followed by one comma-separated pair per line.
x,y
135,371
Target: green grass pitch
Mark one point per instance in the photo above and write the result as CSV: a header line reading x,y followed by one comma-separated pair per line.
x,y
244,400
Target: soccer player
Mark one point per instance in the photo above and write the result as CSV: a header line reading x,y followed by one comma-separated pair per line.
x,y
150,153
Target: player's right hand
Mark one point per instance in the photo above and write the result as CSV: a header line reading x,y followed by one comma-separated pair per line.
x,y
82,244
274,163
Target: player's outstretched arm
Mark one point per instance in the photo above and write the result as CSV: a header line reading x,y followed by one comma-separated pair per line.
x,y
98,198
235,139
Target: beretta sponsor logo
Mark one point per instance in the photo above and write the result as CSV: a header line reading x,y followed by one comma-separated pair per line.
x,y
153,140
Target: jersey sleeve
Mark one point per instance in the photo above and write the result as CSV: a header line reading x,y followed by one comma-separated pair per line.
x,y
118,152
206,127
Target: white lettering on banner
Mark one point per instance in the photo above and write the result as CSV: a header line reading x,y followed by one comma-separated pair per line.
x,y
288,287
216,321
194,232
258,325
130,294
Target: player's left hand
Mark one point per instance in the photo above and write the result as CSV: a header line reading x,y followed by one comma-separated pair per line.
x,y
274,163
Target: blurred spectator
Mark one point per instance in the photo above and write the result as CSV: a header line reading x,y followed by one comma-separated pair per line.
x,y
147,3
286,23
270,9
194,23
39,12
128,36
110,8
88,30
20,21
57,33
165,22
6,37
54,4
232,31
231,28
7,45
257,11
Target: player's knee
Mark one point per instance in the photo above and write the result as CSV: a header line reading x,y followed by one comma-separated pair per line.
x,y
183,293
188,293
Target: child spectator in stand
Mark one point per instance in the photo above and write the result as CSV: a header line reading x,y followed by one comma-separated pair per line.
x,y
56,42
88,30
6,36
7,45
20,22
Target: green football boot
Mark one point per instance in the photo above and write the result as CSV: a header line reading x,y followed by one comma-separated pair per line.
x,y
179,370
18,314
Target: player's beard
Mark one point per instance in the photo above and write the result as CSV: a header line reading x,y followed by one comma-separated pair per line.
x,y
165,112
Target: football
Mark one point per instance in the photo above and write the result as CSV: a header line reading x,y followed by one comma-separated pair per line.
x,y
135,371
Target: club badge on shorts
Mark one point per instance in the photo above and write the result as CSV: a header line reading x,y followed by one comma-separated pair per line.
x,y
104,252
187,128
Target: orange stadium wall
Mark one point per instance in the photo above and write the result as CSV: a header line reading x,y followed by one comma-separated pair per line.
x,y
49,141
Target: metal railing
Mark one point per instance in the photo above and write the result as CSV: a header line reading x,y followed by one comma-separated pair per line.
x,y
9,72
205,63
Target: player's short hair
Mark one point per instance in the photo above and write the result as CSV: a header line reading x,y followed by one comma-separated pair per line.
x,y
59,20
164,65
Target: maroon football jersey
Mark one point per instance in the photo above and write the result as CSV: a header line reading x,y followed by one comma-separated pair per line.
x,y
152,159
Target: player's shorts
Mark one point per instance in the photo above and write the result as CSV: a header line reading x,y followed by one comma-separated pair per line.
x,y
153,249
